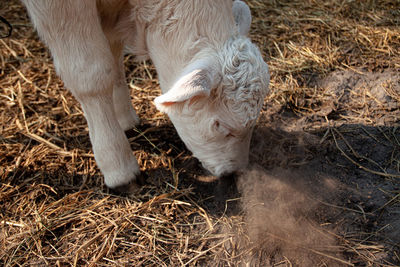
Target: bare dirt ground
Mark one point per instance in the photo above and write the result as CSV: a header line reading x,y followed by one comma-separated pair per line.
x,y
323,188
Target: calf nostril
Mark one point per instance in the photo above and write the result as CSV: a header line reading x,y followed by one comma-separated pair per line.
x,y
226,180
229,176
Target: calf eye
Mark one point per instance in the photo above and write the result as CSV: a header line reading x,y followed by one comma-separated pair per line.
x,y
222,128
230,135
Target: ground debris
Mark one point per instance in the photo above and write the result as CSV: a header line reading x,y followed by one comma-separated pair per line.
x,y
323,188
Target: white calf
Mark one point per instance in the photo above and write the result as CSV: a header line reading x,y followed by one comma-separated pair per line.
x,y
212,77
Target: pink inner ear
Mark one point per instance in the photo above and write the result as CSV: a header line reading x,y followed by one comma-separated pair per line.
x,y
192,100
195,98
167,104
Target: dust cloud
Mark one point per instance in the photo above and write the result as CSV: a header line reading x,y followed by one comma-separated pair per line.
x,y
283,221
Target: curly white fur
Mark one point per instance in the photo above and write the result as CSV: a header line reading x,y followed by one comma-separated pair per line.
x,y
245,78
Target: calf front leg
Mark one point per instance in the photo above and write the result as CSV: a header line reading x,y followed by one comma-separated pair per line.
x,y
84,60
110,145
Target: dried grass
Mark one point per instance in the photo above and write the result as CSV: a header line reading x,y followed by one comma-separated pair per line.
x,y
55,209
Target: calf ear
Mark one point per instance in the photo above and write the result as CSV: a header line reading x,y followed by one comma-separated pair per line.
x,y
242,15
197,81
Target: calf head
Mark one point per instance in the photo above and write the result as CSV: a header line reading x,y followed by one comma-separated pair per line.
x,y
217,99
216,102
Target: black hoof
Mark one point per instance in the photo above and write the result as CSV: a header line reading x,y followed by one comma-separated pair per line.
x,y
132,187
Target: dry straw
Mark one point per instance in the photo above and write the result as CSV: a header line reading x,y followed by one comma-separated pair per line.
x,y
56,211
